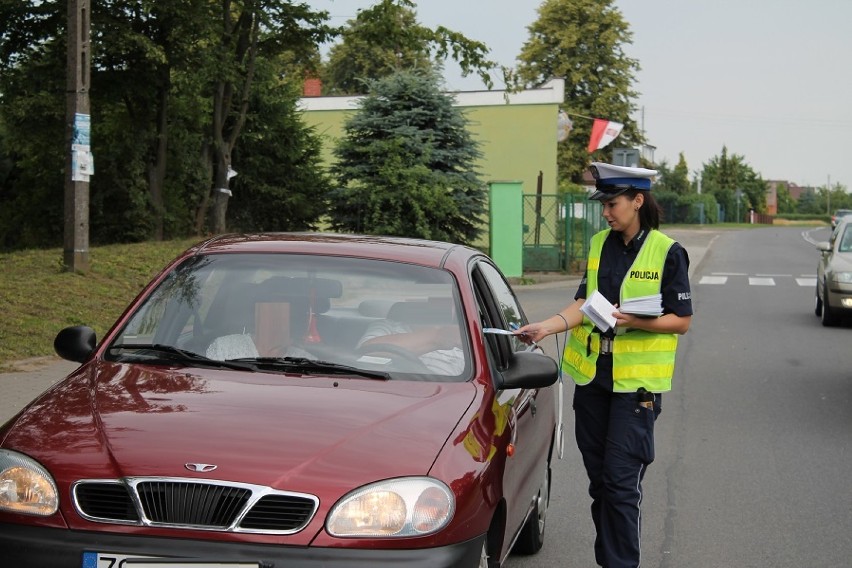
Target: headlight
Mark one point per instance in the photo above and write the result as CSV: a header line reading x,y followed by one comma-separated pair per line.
x,y
25,486
842,277
411,506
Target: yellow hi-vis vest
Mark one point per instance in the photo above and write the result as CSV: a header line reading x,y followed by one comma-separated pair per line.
x,y
639,358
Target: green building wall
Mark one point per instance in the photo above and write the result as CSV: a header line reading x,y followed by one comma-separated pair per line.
x,y
516,133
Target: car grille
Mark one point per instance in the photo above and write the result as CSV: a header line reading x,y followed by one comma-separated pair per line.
x,y
186,503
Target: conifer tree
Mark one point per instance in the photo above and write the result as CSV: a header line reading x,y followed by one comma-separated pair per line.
x,y
406,165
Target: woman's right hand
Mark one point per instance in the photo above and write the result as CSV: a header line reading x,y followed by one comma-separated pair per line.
x,y
533,332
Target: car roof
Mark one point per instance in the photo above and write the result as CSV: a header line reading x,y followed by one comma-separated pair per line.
x,y
419,251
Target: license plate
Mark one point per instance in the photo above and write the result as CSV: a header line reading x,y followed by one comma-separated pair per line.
x,y
111,560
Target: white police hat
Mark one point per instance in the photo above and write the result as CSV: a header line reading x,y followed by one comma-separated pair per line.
x,y
611,181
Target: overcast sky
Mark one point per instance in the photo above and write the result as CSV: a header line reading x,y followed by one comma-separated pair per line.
x,y
769,79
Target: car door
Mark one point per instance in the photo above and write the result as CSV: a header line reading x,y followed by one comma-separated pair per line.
x,y
530,428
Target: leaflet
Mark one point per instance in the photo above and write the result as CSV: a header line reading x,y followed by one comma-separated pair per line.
x,y
497,331
599,310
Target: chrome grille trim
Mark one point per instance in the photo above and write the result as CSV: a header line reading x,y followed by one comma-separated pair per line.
x,y
194,504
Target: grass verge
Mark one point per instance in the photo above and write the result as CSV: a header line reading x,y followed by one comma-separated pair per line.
x,y
38,297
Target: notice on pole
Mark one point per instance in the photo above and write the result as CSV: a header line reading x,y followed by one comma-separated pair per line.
x,y
82,161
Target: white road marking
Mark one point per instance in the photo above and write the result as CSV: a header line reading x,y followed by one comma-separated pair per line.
x,y
803,280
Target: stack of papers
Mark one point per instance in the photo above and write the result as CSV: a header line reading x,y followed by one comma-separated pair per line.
x,y
644,306
599,310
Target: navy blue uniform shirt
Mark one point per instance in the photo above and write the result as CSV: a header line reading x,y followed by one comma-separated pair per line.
x,y
616,260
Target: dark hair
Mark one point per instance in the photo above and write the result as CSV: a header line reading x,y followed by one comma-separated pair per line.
x,y
650,213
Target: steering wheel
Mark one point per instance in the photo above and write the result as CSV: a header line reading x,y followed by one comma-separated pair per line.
x,y
395,351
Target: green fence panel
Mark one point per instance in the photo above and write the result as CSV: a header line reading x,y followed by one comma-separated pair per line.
x,y
557,230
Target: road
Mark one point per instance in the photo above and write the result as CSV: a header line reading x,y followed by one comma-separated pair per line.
x,y
754,443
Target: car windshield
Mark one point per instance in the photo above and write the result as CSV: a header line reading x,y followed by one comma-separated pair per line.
x,y
846,239
303,314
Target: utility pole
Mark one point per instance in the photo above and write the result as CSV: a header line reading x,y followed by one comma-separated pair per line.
x,y
78,162
828,197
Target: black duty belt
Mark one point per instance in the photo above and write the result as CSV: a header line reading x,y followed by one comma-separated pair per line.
x,y
605,345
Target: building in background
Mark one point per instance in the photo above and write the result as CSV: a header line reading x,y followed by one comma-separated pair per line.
x,y
517,132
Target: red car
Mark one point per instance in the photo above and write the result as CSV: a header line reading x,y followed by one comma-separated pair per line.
x,y
287,401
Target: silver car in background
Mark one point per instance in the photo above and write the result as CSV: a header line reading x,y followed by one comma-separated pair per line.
x,y
834,274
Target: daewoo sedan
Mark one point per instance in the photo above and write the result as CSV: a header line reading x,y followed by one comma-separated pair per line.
x,y
834,274
291,400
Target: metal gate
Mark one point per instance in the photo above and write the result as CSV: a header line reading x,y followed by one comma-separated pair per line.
x,y
557,229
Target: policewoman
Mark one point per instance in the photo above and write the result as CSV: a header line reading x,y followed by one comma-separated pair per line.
x,y
620,373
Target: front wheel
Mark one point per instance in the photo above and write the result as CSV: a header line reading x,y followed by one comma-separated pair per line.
x,y
817,303
829,316
531,538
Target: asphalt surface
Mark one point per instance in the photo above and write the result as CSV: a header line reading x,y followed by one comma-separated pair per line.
x,y
31,377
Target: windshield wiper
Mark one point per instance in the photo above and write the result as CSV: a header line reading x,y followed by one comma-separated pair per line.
x,y
312,366
182,355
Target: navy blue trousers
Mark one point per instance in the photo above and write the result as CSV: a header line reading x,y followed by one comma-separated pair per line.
x,y
616,439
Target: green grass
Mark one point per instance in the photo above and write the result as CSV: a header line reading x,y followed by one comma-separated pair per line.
x,y
38,297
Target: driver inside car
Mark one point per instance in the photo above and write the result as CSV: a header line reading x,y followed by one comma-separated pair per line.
x,y
438,347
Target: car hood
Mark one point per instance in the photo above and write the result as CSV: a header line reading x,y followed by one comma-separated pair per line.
x,y
841,262
110,420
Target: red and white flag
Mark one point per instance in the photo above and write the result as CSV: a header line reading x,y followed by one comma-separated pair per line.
x,y
603,132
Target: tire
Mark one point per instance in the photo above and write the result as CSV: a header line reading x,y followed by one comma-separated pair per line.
x,y
489,558
829,316
817,303
483,556
531,538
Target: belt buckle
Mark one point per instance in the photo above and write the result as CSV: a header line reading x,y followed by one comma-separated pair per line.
x,y
606,345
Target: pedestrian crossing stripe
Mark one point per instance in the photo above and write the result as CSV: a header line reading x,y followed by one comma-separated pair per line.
x,y
806,280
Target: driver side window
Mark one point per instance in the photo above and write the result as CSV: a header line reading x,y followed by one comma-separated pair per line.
x,y
499,309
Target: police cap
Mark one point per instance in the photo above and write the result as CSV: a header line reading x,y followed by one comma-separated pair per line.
x,y
611,181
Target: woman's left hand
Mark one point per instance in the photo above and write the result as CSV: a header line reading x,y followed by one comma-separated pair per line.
x,y
624,320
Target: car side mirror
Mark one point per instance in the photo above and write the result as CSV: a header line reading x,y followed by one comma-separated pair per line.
x,y
530,370
824,246
75,343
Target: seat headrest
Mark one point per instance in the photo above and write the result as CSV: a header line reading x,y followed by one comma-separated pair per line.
x,y
280,286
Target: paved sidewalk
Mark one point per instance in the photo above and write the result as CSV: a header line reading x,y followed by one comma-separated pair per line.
x,y
32,377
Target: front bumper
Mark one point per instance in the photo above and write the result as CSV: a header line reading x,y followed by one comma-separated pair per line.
x,y
38,547
840,296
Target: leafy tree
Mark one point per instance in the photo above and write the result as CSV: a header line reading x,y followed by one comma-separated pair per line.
x,y
146,45
386,38
583,42
784,200
808,204
829,198
724,175
33,114
679,180
166,77
249,30
406,165
672,188
267,196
